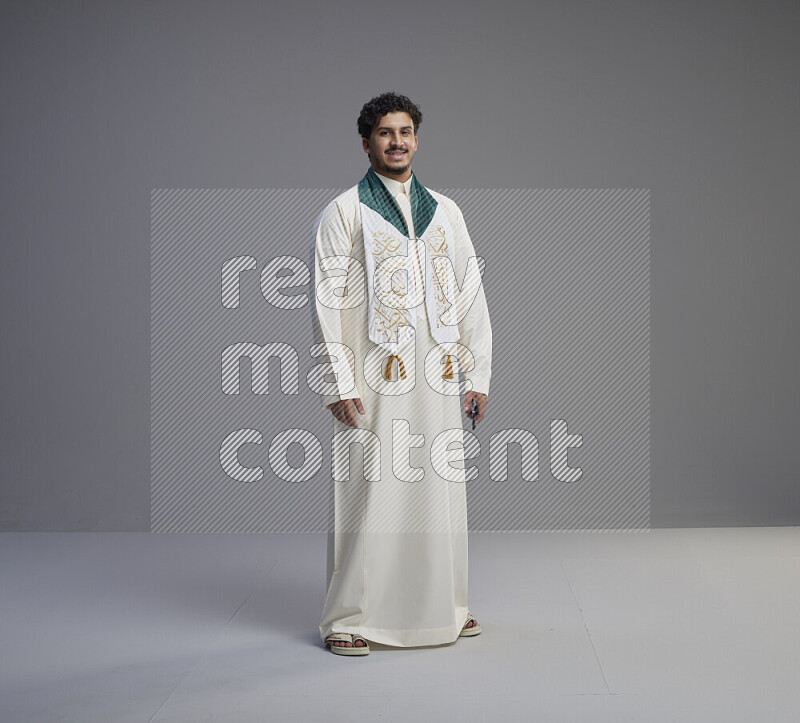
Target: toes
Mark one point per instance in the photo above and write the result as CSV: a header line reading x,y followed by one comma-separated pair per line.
x,y
347,644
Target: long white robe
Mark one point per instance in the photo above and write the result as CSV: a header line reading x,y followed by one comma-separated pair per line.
x,y
397,558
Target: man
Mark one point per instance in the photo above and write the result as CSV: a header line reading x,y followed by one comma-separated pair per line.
x,y
398,555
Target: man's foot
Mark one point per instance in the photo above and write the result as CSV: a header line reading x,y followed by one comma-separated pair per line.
x,y
471,627
347,644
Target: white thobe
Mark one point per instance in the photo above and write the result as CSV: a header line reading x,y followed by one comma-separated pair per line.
x,y
397,562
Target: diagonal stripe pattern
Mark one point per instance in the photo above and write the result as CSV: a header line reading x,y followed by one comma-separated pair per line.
x,y
568,286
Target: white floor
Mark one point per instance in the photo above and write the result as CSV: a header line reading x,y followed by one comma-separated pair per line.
x,y
667,625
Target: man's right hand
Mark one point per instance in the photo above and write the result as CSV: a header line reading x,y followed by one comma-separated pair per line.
x,y
345,411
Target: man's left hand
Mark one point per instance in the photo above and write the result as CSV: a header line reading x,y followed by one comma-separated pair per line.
x,y
481,400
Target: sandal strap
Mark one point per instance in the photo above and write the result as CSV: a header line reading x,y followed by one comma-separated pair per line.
x,y
344,637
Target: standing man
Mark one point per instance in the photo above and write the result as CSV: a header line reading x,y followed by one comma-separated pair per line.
x,y
400,308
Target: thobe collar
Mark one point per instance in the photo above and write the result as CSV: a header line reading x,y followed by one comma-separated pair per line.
x,y
396,187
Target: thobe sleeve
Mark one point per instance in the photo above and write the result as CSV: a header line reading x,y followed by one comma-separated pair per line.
x,y
475,328
331,237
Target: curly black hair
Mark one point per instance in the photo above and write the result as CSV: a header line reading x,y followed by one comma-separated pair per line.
x,y
382,104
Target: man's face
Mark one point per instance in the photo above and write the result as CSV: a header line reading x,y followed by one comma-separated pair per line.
x,y
392,145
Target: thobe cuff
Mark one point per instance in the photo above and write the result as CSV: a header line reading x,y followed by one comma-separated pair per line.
x,y
329,399
479,384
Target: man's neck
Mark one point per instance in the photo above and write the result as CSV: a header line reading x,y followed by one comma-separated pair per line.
x,y
400,178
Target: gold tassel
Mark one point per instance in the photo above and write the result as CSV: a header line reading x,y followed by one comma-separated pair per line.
x,y
387,374
448,367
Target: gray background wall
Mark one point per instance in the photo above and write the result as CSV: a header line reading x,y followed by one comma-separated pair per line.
x,y
101,102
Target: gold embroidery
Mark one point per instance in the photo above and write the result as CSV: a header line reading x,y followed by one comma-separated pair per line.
x,y
388,319
436,241
382,242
